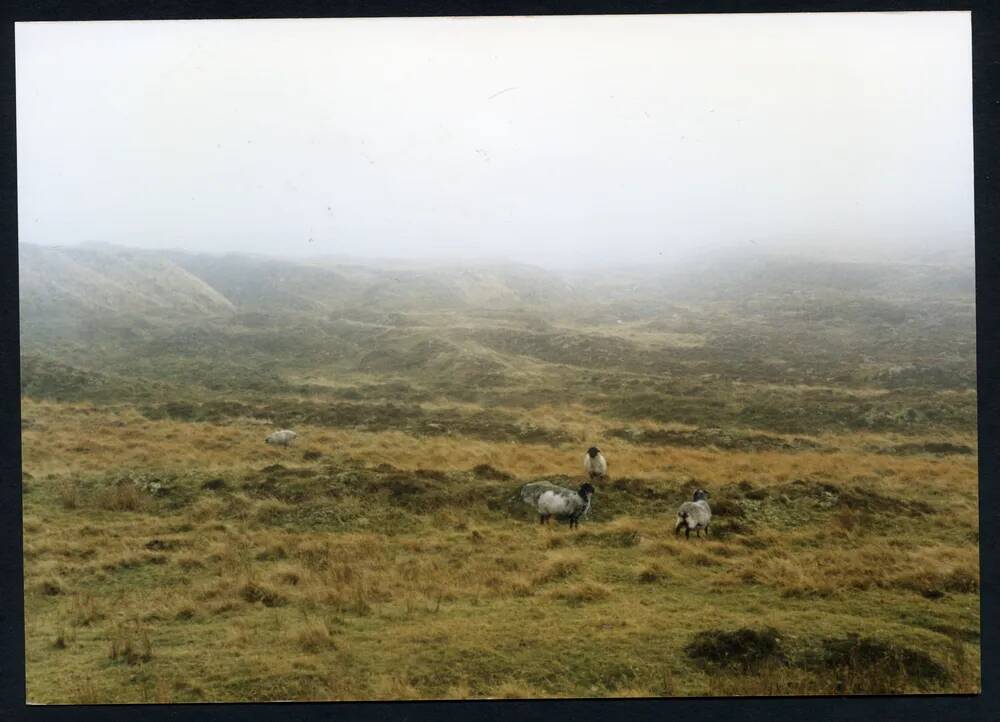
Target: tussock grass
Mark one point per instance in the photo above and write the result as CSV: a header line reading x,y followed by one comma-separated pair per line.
x,y
131,645
559,565
282,578
123,496
52,451
69,494
172,556
582,592
313,636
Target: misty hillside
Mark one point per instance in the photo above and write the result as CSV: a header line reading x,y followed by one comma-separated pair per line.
x,y
109,321
77,282
103,281
741,276
99,281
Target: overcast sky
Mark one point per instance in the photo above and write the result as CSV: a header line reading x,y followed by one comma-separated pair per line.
x,y
550,140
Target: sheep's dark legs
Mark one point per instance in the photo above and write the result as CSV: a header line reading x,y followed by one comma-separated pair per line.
x,y
687,532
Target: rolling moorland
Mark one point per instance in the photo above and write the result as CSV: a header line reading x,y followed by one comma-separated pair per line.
x,y
172,556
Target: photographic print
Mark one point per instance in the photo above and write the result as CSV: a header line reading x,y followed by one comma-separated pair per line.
x,y
498,357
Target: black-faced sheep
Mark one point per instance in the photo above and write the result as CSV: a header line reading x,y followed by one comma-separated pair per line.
x,y
694,515
560,502
281,438
595,464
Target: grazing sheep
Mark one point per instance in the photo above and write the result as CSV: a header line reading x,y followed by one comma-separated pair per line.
x,y
694,515
564,503
281,438
595,465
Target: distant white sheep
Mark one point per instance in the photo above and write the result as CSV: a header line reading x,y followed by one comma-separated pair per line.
x,y
694,515
281,438
595,464
558,501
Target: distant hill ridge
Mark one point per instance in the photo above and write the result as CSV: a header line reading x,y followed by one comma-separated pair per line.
x,y
59,284
100,279
109,280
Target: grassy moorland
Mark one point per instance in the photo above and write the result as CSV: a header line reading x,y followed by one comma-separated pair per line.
x,y
172,556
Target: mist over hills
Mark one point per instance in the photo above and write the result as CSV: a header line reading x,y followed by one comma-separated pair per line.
x,y
99,280
105,281
112,320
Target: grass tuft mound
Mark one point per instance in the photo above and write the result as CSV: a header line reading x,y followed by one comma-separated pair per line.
x,y
877,665
742,650
582,593
485,471
253,592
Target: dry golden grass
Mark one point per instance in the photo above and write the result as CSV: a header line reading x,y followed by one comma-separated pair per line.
x,y
58,444
233,595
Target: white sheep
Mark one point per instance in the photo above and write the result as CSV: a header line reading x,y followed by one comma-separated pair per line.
x,y
281,438
530,492
564,503
595,464
694,515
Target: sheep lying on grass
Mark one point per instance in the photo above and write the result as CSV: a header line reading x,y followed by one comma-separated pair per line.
x,y
558,501
281,438
595,464
694,515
